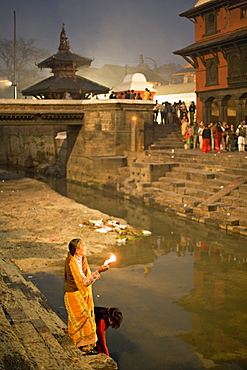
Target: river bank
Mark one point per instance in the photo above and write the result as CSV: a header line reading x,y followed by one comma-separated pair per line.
x,y
37,224
36,227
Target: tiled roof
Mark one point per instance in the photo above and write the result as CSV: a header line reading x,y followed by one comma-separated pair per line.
x,y
216,41
66,83
64,56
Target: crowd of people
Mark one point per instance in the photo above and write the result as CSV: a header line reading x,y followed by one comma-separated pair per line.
x,y
131,94
174,113
219,136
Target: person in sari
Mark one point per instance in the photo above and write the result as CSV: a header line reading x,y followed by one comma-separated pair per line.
x,y
78,297
218,132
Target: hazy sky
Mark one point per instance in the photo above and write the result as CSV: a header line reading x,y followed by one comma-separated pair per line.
x,y
110,31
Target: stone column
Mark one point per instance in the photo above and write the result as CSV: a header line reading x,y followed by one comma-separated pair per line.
x,y
207,110
221,111
240,110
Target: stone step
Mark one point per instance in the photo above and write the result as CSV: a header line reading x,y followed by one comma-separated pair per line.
x,y
242,195
174,206
170,195
189,184
243,188
165,204
195,156
216,168
235,201
203,174
186,188
230,178
158,146
224,220
230,210
190,174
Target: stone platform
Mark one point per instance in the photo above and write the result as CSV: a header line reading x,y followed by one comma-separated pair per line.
x,y
32,335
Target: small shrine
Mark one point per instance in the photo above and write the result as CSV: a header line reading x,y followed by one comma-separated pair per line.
x,y
65,84
136,82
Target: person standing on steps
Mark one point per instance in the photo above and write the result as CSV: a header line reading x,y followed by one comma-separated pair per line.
x,y
206,139
241,133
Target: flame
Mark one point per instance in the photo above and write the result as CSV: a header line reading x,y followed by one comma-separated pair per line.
x,y
110,260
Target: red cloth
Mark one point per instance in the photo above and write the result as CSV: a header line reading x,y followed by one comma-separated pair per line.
x,y
217,144
101,344
206,145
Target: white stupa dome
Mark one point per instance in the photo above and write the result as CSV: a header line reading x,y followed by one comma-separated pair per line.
x,y
201,2
135,81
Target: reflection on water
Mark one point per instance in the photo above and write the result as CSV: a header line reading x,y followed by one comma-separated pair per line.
x,y
182,291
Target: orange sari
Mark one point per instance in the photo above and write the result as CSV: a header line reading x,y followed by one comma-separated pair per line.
x,y
80,308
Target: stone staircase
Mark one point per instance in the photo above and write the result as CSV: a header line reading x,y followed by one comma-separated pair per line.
x,y
208,188
167,136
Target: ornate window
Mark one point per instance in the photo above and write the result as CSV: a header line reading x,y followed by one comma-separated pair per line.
x,y
210,23
212,72
234,69
243,13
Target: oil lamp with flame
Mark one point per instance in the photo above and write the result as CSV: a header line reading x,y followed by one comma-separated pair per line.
x,y
110,260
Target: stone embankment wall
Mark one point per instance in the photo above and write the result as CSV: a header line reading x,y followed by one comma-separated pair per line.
x,y
83,138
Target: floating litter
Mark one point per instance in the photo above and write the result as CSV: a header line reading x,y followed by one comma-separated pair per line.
x,y
103,231
146,232
121,241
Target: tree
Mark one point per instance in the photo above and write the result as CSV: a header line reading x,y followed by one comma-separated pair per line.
x,y
27,55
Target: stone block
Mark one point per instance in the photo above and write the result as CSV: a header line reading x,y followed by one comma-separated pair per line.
x,y
208,207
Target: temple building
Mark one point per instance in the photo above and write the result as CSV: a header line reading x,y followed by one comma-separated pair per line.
x,y
219,56
65,84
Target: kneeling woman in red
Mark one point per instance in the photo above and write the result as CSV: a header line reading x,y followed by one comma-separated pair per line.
x,y
104,318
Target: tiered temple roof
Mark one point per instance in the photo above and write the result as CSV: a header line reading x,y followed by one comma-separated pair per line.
x,y
65,83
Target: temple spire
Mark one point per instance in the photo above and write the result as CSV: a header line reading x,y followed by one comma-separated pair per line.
x,y
64,43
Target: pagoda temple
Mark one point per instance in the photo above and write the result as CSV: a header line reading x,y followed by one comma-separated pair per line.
x,y
65,84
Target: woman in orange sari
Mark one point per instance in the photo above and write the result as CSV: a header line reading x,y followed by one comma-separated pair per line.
x,y
78,297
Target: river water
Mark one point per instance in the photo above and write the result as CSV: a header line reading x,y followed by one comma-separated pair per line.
x,y
182,290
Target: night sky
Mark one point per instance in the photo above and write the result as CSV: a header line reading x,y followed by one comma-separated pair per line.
x,y
110,31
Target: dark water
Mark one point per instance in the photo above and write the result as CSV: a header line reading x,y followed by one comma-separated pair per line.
x,y
182,291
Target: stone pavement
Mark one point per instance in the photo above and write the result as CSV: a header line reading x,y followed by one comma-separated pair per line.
x,y
32,335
